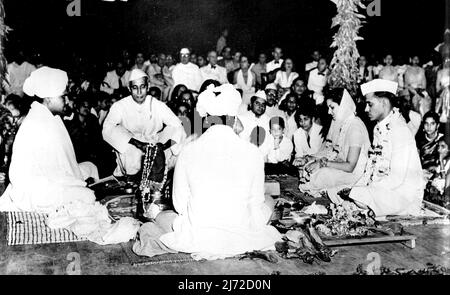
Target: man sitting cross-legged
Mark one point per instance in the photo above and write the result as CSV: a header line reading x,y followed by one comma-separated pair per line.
x,y
44,173
218,191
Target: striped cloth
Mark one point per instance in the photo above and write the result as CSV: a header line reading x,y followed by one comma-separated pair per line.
x,y
28,228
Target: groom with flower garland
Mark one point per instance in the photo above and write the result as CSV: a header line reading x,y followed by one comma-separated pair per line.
x,y
393,181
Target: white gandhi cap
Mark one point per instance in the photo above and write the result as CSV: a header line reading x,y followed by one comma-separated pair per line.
x,y
261,94
378,85
137,74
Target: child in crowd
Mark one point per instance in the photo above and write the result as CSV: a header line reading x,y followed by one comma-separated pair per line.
x,y
278,149
279,145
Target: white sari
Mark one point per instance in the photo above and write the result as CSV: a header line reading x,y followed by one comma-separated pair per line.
x,y
345,132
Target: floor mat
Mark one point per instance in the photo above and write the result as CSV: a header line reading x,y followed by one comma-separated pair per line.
x,y
27,228
137,260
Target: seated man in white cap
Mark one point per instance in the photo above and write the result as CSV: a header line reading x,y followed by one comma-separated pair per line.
x,y
44,172
393,180
225,215
137,120
187,73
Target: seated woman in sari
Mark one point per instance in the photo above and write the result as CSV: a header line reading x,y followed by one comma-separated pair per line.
x,y
427,141
342,158
438,188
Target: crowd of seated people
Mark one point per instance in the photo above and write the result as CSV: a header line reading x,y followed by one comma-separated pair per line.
x,y
287,108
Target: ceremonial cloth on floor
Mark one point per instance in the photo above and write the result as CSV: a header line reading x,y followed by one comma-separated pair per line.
x,y
28,228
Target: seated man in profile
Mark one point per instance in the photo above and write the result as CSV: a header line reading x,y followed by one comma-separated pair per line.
x,y
218,191
44,173
393,182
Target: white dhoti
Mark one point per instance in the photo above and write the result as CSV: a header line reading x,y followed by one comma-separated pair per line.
x,y
384,201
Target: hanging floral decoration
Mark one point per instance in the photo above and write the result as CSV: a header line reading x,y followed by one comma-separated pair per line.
x,y
4,29
344,71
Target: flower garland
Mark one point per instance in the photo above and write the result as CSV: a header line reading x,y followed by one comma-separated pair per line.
x,y
344,63
378,164
4,29
146,186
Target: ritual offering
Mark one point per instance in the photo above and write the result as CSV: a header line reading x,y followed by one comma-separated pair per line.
x,y
347,220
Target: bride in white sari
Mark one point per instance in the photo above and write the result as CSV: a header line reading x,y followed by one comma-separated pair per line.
x,y
341,161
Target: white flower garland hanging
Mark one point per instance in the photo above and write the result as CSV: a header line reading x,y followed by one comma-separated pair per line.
x,y
344,66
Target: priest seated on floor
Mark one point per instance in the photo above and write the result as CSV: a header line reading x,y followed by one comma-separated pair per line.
x,y
44,173
226,215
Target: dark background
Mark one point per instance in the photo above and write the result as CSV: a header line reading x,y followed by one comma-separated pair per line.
x,y
299,26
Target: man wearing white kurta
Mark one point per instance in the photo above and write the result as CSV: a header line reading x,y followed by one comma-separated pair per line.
x,y
218,190
44,173
187,73
393,182
305,147
137,120
256,117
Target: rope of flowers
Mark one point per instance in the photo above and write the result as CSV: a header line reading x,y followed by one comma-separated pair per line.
x,y
4,29
344,71
151,190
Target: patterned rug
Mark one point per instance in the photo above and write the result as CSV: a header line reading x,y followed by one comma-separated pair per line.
x,y
137,260
27,228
